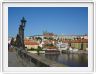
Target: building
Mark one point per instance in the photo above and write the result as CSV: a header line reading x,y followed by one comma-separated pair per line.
x,y
48,35
80,44
60,41
70,37
30,44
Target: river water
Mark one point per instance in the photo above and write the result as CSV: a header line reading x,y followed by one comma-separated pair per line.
x,y
72,60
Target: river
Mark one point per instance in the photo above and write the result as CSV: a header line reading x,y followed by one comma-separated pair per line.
x,y
72,60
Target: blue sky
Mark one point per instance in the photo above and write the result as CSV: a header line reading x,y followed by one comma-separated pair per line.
x,y
66,20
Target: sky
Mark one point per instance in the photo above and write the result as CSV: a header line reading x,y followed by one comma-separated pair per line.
x,y
59,20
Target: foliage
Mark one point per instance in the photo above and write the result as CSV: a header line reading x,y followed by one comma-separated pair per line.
x,y
49,38
18,41
45,37
49,45
32,49
39,38
12,41
38,50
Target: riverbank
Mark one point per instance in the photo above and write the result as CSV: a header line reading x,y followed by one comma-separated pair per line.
x,y
59,52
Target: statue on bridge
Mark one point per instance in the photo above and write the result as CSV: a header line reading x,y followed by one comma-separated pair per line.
x,y
20,35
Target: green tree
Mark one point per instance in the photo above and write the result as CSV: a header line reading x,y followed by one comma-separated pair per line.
x,y
38,50
50,38
12,41
45,38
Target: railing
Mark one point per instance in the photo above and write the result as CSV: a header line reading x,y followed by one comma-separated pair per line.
x,y
37,60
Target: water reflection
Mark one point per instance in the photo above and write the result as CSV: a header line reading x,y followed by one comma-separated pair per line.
x,y
73,60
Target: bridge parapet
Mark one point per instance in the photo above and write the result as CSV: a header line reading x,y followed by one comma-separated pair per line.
x,y
38,60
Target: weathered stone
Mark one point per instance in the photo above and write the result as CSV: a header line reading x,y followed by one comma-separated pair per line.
x,y
20,35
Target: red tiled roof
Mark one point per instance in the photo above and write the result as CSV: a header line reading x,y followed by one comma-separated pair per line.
x,y
30,42
76,41
66,41
49,41
80,41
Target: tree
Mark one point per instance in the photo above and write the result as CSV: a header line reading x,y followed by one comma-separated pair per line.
x,y
50,38
18,41
39,39
38,50
45,37
12,41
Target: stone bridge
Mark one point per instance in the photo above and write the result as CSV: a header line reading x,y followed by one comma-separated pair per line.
x,y
38,60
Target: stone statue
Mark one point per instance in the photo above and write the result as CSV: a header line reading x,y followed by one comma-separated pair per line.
x,y
20,35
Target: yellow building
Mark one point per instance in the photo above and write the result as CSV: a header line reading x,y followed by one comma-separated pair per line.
x,y
80,44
